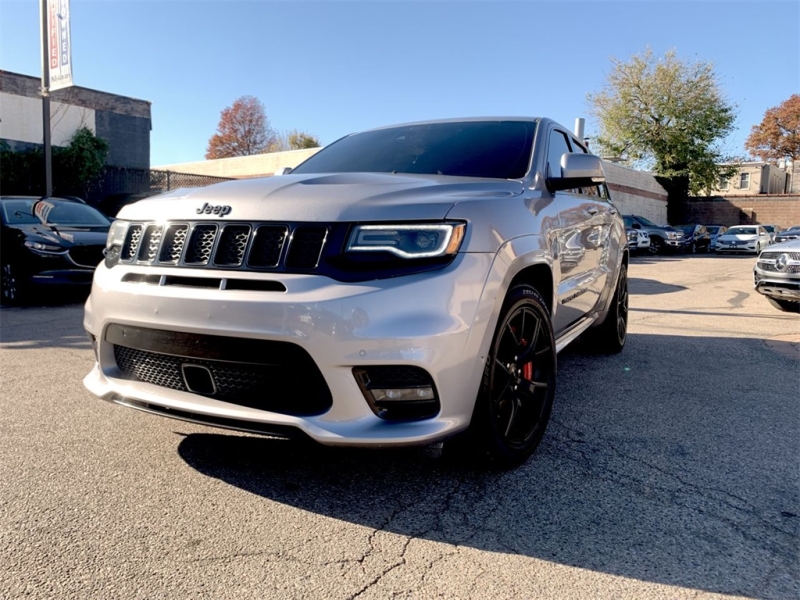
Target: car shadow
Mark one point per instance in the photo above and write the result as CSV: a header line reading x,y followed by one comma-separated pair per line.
x,y
639,475
651,287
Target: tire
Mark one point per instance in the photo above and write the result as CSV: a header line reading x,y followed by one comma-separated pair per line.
x,y
12,288
656,246
516,394
694,248
610,336
785,305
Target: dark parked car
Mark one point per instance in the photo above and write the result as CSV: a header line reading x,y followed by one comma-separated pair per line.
x,y
48,241
662,237
793,233
696,238
715,231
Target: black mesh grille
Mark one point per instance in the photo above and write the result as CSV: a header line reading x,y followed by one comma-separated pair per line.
x,y
281,378
305,247
229,245
267,246
132,239
150,242
174,241
232,245
201,244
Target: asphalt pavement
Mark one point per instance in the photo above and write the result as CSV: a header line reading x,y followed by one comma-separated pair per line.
x,y
671,470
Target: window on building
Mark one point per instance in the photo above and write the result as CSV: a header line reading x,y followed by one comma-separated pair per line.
x,y
723,184
744,181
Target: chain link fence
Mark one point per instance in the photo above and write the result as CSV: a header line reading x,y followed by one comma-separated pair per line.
x,y
118,186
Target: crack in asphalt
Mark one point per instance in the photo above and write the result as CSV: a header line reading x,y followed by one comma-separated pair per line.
x,y
741,506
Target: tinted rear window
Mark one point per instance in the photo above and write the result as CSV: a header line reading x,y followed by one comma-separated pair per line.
x,y
494,149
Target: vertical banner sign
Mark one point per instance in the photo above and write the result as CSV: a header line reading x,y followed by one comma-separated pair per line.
x,y
59,44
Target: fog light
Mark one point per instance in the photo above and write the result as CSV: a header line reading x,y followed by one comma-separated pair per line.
x,y
405,394
398,392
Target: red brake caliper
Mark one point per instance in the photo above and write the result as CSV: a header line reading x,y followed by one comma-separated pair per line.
x,y
527,368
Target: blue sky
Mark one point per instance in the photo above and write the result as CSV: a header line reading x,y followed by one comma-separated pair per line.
x,y
331,68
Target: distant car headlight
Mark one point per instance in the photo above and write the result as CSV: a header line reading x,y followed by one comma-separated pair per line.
x,y
42,248
674,235
408,241
114,242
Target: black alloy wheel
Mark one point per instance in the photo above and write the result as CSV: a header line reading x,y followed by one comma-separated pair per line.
x,y
656,245
10,283
513,406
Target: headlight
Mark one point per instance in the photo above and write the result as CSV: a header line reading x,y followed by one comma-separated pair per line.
x,y
674,234
45,248
424,240
114,242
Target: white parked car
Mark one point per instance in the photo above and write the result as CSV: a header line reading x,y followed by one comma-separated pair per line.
x,y
743,238
638,240
405,285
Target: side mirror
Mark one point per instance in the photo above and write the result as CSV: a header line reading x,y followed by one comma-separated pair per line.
x,y
283,171
636,225
578,170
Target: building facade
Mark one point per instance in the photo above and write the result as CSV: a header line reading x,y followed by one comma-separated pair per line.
x,y
123,122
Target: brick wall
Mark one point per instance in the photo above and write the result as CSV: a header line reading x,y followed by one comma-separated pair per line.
x,y
781,210
636,192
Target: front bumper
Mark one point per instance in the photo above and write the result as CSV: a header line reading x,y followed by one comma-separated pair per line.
x,y
429,321
747,247
780,282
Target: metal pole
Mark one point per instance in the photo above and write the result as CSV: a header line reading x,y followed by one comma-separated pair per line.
x,y
45,92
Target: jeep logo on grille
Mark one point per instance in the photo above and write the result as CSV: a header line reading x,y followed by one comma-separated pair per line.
x,y
219,209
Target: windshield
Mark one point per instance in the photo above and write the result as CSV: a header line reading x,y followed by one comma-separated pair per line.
x,y
686,228
741,231
646,222
51,212
494,149
711,229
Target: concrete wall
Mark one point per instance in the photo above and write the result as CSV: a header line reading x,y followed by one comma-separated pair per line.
x,y
123,122
782,210
636,192
243,167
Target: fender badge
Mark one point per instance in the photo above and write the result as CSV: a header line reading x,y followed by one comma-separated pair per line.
x,y
220,209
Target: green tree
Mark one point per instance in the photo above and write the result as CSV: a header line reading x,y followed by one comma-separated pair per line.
x,y
294,140
666,115
75,166
778,134
78,164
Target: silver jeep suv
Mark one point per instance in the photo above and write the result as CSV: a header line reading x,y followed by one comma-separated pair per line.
x,y
405,285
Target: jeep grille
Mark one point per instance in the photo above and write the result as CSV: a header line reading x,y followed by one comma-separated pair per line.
x,y
208,244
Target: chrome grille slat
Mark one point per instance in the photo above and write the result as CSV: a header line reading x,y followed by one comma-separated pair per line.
x,y
214,244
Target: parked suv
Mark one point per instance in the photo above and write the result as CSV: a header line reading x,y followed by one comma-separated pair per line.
x,y
405,285
662,237
776,275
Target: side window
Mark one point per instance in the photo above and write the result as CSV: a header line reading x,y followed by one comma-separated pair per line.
x,y
576,147
556,147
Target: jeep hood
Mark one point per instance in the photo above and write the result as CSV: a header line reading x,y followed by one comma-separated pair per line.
x,y
323,197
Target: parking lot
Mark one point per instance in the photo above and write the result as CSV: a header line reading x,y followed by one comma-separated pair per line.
x,y
668,471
